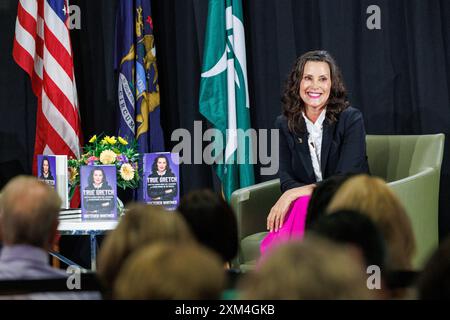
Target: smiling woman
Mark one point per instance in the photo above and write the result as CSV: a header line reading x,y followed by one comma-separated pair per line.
x,y
320,134
315,88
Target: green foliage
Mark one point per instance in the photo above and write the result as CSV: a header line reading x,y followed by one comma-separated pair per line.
x,y
108,150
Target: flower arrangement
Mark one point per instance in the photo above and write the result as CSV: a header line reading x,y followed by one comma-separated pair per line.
x,y
108,150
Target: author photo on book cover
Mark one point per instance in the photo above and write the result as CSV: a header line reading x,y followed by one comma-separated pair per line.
x,y
46,172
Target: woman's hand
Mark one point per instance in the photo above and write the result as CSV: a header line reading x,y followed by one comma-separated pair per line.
x,y
278,212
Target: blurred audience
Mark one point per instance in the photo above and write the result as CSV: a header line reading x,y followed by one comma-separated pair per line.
x,y
29,227
141,225
321,197
352,223
212,221
171,271
1,214
372,196
313,269
353,228
434,281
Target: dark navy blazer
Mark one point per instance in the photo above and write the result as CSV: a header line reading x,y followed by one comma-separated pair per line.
x,y
343,150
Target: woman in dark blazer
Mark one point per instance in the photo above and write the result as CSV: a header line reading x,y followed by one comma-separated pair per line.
x,y
320,134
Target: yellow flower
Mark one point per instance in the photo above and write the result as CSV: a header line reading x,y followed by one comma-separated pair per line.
x,y
127,172
112,140
109,140
73,173
93,139
107,157
123,141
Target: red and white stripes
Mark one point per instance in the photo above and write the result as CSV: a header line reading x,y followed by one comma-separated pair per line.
x,y
42,48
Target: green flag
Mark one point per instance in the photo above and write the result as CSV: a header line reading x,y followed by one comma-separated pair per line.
x,y
224,92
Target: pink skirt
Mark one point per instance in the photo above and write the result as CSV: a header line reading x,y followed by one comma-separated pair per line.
x,y
293,227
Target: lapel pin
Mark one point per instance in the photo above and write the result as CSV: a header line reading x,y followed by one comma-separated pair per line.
x,y
300,140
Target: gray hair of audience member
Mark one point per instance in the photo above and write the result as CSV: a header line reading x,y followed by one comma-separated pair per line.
x,y
30,212
170,271
141,225
314,269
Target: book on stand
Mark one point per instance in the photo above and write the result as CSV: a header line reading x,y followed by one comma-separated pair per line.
x,y
98,192
160,181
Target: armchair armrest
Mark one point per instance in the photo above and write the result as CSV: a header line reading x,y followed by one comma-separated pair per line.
x,y
419,194
252,205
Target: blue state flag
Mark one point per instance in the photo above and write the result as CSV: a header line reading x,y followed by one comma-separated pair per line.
x,y
138,89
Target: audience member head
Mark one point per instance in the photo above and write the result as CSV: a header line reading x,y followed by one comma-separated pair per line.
x,y
1,214
212,221
30,213
170,271
313,269
141,225
321,197
354,228
373,197
434,281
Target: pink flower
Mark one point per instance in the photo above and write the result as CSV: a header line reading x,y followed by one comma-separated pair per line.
x,y
91,160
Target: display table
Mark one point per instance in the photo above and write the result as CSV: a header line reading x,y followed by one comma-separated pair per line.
x,y
77,227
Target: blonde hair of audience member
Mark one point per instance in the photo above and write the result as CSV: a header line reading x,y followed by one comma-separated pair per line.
x,y
310,270
1,214
372,196
30,212
141,225
170,271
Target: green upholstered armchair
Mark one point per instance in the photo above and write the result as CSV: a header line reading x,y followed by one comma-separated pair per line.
x,y
251,206
412,167
410,164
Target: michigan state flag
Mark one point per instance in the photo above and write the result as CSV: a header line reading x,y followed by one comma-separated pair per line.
x,y
224,92
138,89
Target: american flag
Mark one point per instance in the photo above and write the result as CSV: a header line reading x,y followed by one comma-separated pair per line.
x,y
42,48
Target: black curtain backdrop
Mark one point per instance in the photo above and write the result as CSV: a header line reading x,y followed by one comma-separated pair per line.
x,y
399,76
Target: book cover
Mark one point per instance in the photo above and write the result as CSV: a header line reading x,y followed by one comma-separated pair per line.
x,y
52,169
161,179
98,192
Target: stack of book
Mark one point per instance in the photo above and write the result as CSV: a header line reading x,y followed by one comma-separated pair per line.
x,y
70,214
